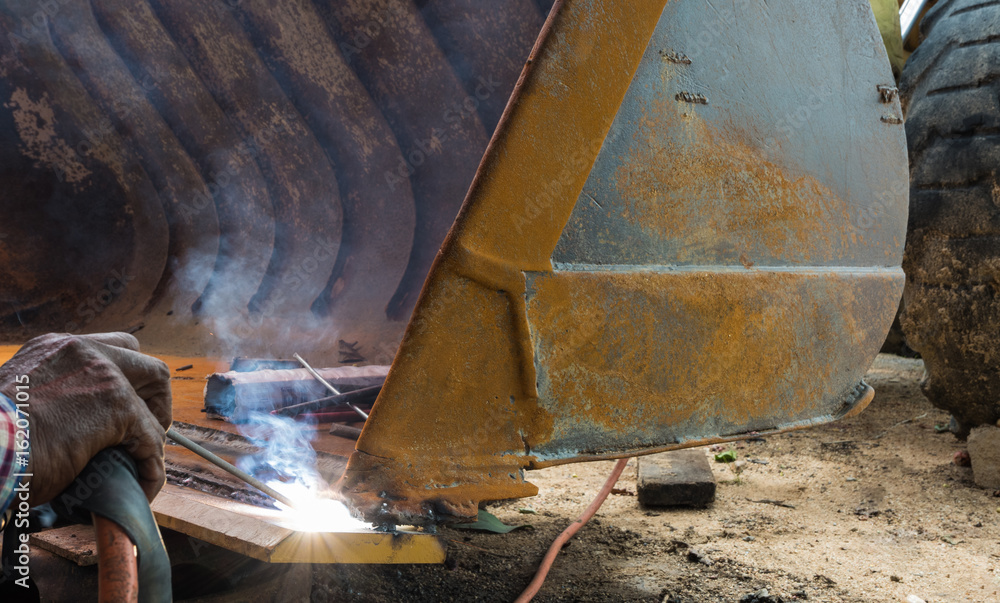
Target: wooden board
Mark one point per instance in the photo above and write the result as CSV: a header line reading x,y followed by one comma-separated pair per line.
x,y
76,543
677,478
255,532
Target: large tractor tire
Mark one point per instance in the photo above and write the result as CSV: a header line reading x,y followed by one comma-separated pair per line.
x,y
192,168
951,87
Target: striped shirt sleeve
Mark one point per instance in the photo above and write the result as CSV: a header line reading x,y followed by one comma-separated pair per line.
x,y
8,415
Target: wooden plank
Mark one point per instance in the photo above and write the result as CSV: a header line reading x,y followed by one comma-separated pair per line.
x,y
678,478
76,543
190,513
256,532
984,448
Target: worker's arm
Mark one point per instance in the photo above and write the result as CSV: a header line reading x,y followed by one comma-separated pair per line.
x,y
80,395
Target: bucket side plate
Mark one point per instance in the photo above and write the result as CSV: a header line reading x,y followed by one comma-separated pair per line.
x,y
687,227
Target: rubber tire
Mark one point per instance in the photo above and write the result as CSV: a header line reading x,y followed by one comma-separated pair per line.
x,y
951,92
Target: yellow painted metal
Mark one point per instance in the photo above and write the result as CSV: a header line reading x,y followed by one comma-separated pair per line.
x,y
690,277
355,547
633,406
472,310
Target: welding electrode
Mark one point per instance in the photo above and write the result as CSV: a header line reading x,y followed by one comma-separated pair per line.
x,y
222,464
327,385
365,395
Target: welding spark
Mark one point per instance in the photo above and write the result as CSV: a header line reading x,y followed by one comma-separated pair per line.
x,y
314,512
287,463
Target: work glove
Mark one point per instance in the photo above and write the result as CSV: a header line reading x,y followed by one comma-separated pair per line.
x,y
87,393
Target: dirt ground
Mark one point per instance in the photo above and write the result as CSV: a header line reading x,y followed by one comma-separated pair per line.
x,y
871,509
876,511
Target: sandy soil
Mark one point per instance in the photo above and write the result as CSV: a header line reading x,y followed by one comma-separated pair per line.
x,y
877,511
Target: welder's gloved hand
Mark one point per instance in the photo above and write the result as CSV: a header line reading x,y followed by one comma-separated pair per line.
x,y
88,393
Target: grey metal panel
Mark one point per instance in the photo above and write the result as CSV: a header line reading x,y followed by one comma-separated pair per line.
x,y
754,133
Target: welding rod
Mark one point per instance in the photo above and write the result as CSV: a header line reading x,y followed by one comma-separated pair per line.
x,y
222,464
360,396
327,385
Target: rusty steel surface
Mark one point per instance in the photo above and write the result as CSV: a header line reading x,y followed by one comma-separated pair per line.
x,y
688,227
242,178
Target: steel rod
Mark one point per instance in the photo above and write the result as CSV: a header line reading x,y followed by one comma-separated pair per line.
x,y
345,431
326,384
364,395
226,466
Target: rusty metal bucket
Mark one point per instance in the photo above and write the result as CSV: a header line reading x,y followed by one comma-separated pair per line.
x,y
687,228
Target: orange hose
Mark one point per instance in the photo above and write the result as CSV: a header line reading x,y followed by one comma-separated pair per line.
x,y
543,569
118,567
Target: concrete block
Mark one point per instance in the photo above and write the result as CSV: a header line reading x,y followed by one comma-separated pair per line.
x,y
678,478
984,448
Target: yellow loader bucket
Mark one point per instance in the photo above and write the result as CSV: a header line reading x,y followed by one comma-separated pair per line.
x,y
687,228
